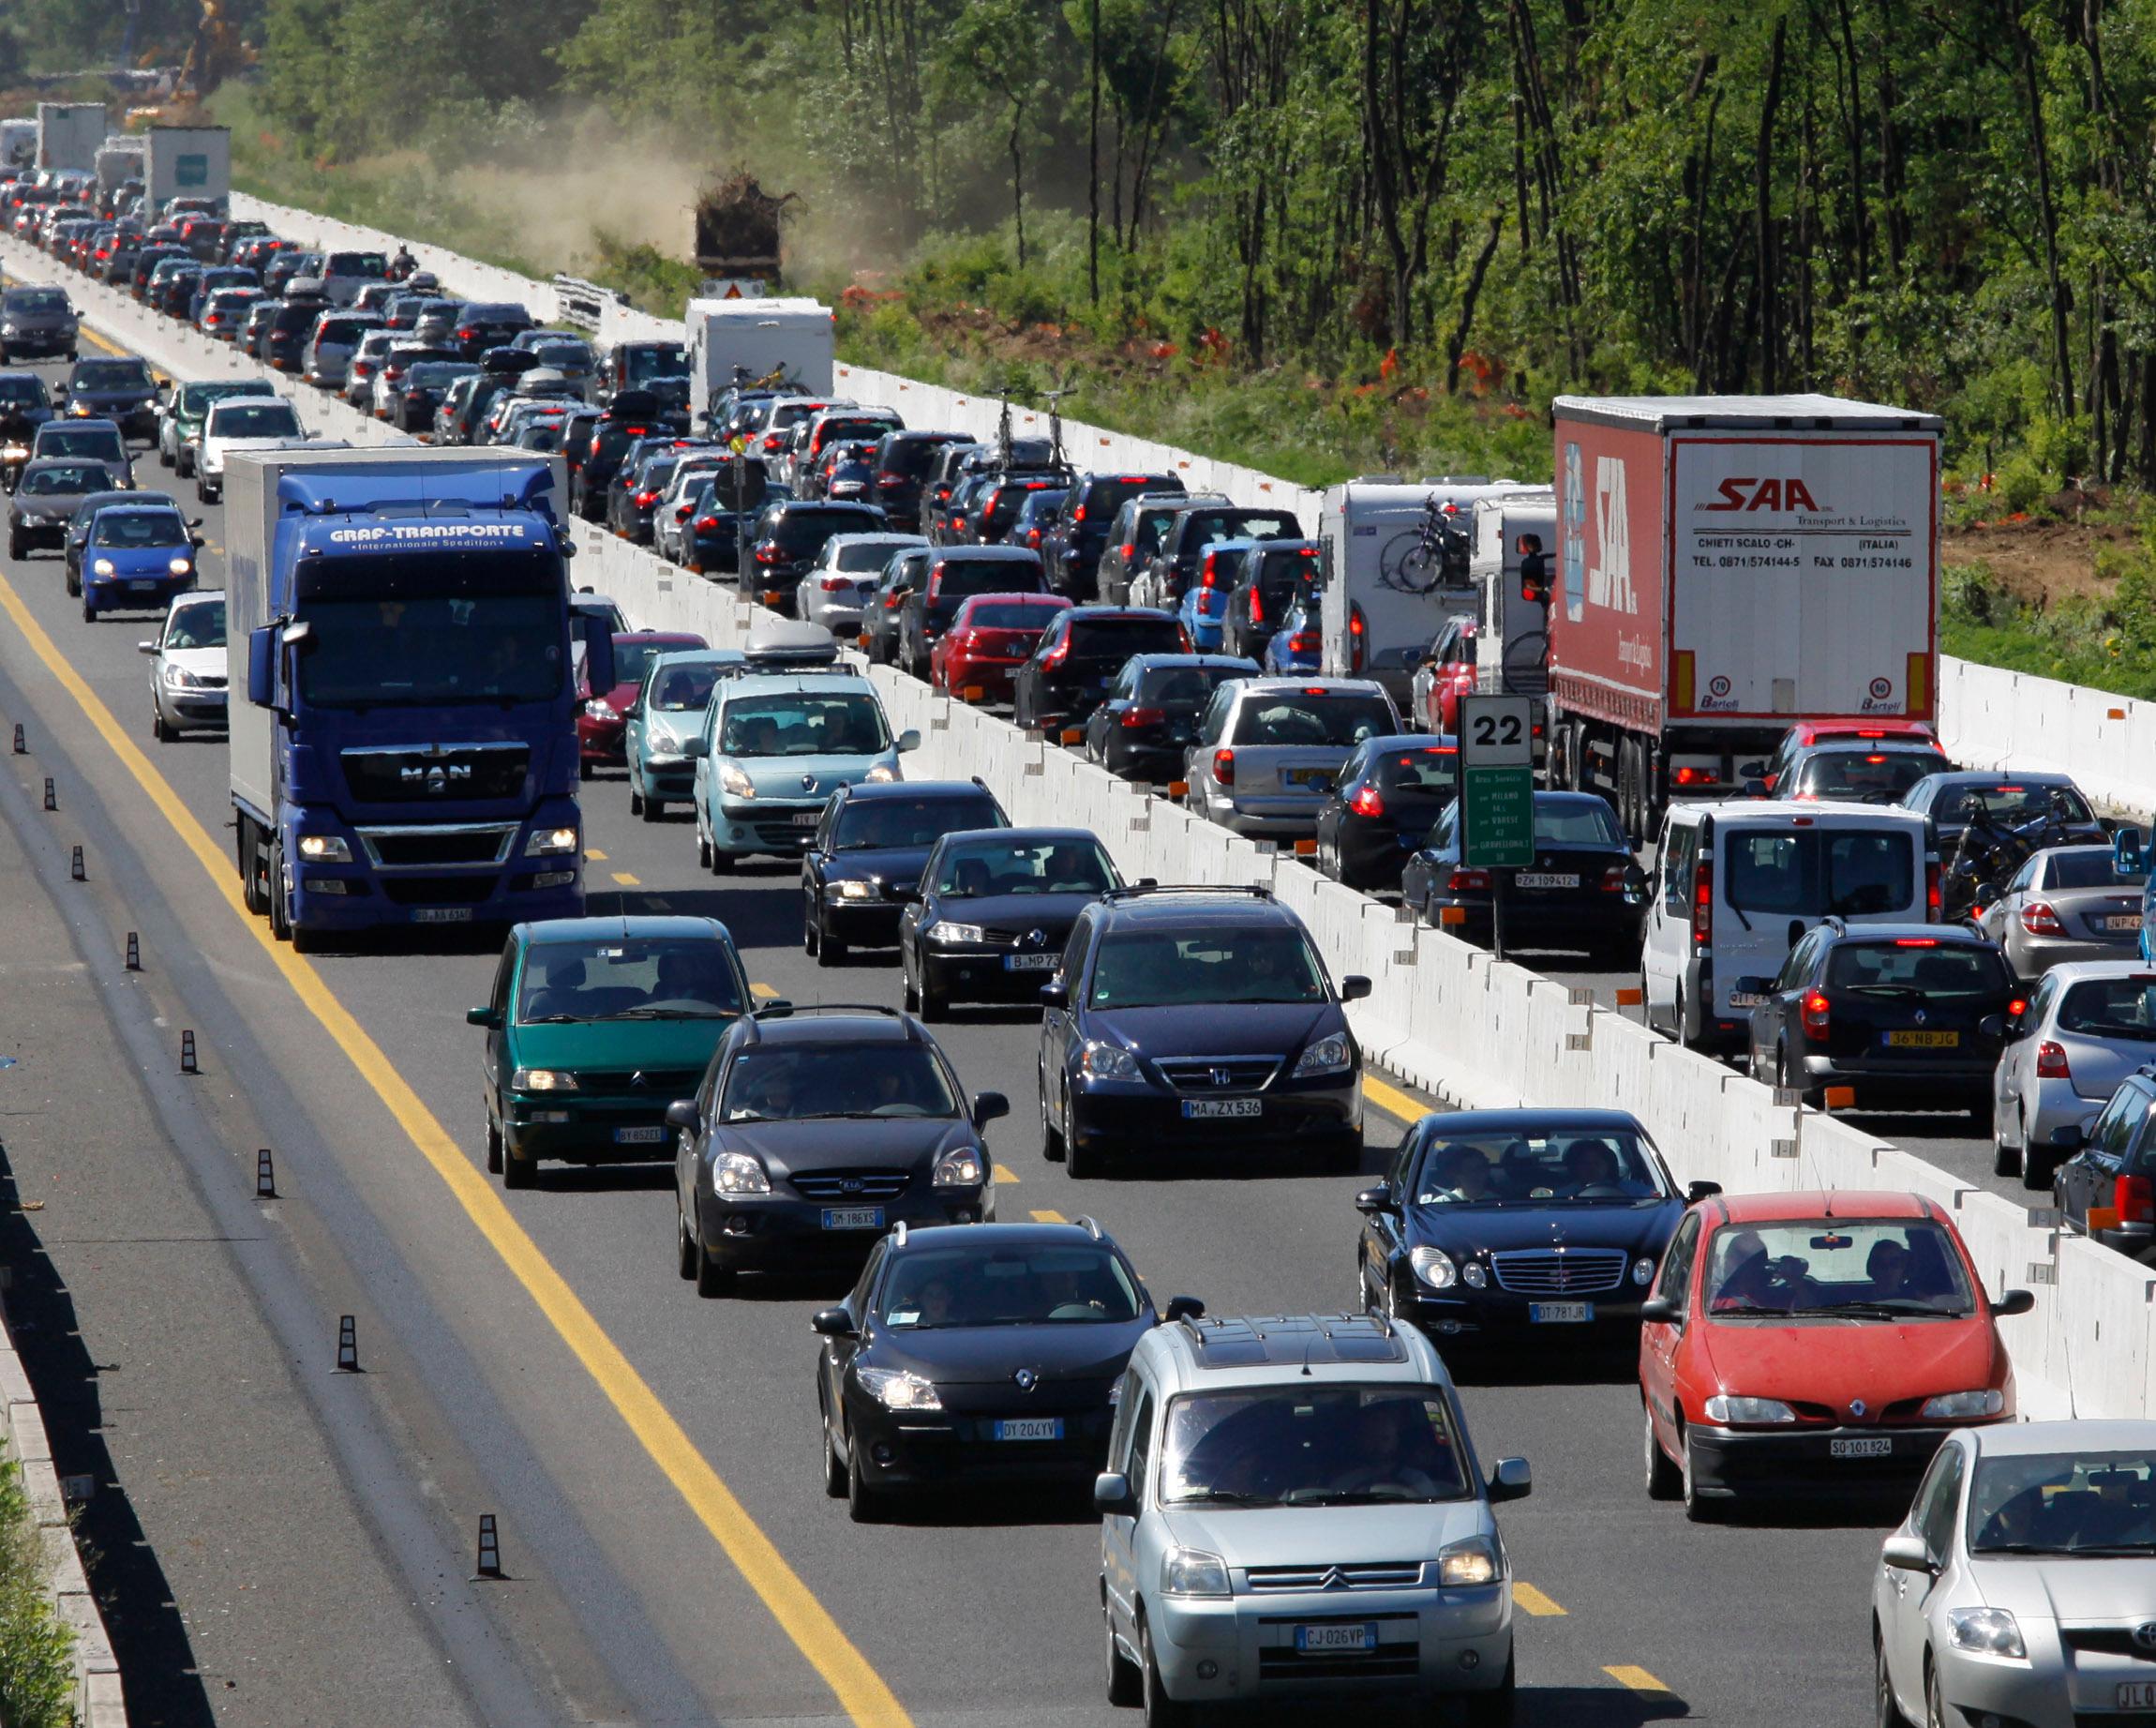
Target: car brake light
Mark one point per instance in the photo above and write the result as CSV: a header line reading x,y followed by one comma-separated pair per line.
x,y
1079,514
1932,904
1613,879
1129,552
1224,766
2038,918
646,500
768,554
2051,1061
2135,1198
892,602
1367,802
1145,716
1815,1014
836,584
1358,642
1207,575
1257,606
1691,776
1871,734
1916,941
1467,882
1702,905
706,524
1057,655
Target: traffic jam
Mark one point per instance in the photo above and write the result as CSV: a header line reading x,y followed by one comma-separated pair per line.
x,y
1545,719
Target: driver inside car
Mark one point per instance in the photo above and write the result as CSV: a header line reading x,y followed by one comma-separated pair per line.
x,y
1590,1164
1391,1444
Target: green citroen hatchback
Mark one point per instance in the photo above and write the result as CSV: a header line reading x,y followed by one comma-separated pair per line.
x,y
594,1027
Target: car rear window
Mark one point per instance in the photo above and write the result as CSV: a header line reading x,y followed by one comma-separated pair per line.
x,y
1878,775
1575,824
1428,770
1185,685
371,265
909,458
1205,526
245,417
1104,496
1118,639
1316,718
865,555
2111,1008
1012,615
1916,967
981,576
801,531
2014,802
1808,873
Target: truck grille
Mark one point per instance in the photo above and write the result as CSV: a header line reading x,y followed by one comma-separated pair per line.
x,y
1559,1271
1219,1073
867,1185
414,774
407,849
1360,1575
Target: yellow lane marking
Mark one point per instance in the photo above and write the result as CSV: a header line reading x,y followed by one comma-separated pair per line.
x,y
1392,1100
1528,1599
1003,1173
90,334
627,880
861,1692
763,993
1639,1679
595,854
1047,1217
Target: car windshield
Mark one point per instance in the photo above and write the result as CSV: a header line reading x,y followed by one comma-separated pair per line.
x,y
371,265
633,659
804,725
647,361
805,531
1038,1283
816,1081
1314,717
37,301
64,478
1856,1268
1097,639
437,374
1878,776
196,398
112,375
138,528
2013,803
1215,967
2111,1008
1311,1445
1184,687
986,577
866,824
1808,873
628,978
244,418
2092,1503
860,556
21,391
565,356
432,648
201,624
1590,1165
1433,770
983,869
1010,615
683,689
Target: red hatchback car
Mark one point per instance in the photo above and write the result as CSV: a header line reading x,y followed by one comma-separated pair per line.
x,y
1818,1345
603,717
991,637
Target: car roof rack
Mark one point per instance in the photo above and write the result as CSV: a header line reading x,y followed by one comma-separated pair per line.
x,y
1138,891
1085,1222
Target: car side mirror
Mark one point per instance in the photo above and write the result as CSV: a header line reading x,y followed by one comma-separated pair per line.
x,y
1907,1553
1987,895
1372,1201
1112,1496
1056,996
2126,852
834,1323
909,740
1354,987
145,647
482,1016
1511,1480
1185,1308
1660,1310
2011,1302
2069,1140
682,1113
1697,1192
699,745
987,1107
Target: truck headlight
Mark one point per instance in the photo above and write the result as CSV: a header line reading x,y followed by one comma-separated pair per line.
x,y
737,1173
899,1389
1469,1562
1192,1571
550,842
1990,1631
321,848
1433,1266
735,782
959,1169
542,1080
1731,1407
1327,1056
103,566
1109,1061
1951,1405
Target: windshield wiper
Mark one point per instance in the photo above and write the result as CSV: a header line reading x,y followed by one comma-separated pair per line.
x,y
1741,918
1224,1496
2113,1549
1889,989
1345,1497
1890,1310
550,1019
648,1013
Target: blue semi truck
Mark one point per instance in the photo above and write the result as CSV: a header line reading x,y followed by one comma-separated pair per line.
x,y
403,712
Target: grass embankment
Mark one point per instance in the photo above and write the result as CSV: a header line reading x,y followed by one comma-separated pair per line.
x,y
36,1676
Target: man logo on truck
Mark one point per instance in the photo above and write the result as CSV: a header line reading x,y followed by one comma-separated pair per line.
x,y
1610,581
1771,494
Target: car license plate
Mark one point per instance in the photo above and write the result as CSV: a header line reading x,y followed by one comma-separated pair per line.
x,y
638,1136
1748,998
142,588
442,915
2137,1694
1320,779
1922,1041
1880,1447
1547,879
1559,1314
853,1217
1030,962
2129,921
1030,1428
1211,1108
807,818
1337,1640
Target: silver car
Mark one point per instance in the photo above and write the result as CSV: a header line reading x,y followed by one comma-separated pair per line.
x,y
1292,1511
2065,903
2021,1588
1268,750
187,667
837,586
326,359
2088,1025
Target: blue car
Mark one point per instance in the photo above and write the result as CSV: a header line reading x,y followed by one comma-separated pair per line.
x,y
1203,608
1298,644
136,558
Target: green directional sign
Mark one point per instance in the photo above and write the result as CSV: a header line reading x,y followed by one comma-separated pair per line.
x,y
192,168
1496,782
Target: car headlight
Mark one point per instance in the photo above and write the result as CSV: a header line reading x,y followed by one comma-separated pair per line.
x,y
883,773
959,1169
850,891
181,679
1473,1275
1991,1632
324,848
599,708
663,758
103,566
944,930
79,410
899,1389
737,1173
16,453
550,842
180,566
1729,1407
735,783
1327,1056
1192,1571
1109,1061
1468,1562
1955,1406
542,1080
1642,1272
1433,1266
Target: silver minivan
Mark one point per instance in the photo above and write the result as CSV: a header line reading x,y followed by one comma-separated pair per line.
x,y
1269,749
1292,1511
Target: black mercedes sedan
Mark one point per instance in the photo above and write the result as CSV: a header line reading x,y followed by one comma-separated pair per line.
x,y
973,1357
994,911
1529,1226
863,864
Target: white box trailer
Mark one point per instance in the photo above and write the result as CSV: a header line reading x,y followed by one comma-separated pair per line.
x,y
1386,597
119,160
188,161
69,135
791,340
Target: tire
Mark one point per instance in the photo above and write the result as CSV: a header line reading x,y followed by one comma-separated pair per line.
x,y
72,582
280,913
159,730
1886,1711
583,770
834,1470
654,808
1812,1095
184,462
1052,1146
722,862
703,852
808,930
1499,1706
1161,1711
635,798
1125,1684
164,456
828,951
711,1278
1698,1509
1665,1482
863,1505
517,1172
89,610
493,1147
2038,1168
15,548
2005,1160
1082,1163
249,859
685,1245
1934,1705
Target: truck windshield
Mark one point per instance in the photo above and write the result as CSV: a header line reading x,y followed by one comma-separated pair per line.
x,y
432,648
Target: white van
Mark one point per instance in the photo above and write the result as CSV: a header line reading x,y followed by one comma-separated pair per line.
x,y
1737,884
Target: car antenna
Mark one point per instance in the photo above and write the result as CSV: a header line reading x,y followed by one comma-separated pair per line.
x,y
1307,1349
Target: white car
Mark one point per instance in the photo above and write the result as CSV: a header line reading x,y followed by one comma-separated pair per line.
x,y
2088,1025
243,422
836,587
2021,1588
187,667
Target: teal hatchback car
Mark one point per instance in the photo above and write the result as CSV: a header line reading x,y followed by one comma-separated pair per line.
x,y
773,748
668,712
594,1026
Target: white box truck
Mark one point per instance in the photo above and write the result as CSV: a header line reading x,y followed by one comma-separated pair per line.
x,y
188,161
69,135
18,144
791,341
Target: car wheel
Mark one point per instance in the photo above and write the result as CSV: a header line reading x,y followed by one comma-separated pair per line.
x,y
829,952
2038,1168
722,862
935,1005
654,808
2005,1160
1813,1095
184,462
1126,1685
159,730
1499,1706
808,930
1934,1705
635,798
164,456
1161,1711
1052,1146
493,1147
1082,1163
1663,1478
863,1505
89,610
703,852
834,1470
1887,1711
517,1172
583,771
1698,1507
15,548
711,1278
72,582
685,1245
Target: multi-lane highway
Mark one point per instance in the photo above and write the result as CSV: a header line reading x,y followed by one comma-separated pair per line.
x,y
652,1457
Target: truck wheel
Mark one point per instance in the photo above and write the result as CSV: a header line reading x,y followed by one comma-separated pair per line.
x,y
279,914
250,863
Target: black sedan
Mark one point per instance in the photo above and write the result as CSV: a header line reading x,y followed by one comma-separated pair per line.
x,y
45,497
1075,662
1194,1019
982,1355
1536,1227
815,1130
1381,809
1583,891
1906,1016
994,910
1149,718
787,537
864,863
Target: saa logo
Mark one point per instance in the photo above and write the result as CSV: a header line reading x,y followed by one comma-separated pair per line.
x,y
1743,493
